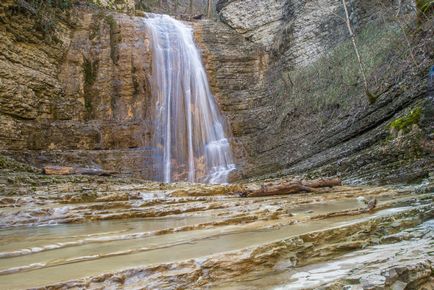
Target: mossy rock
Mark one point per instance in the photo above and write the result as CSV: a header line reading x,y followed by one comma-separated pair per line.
x,y
90,72
115,38
11,164
407,121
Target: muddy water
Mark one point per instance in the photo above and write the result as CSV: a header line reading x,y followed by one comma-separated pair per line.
x,y
318,275
24,237
115,246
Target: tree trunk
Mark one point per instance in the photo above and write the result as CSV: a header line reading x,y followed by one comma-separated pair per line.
x,y
285,187
65,170
191,7
209,8
356,50
399,8
322,182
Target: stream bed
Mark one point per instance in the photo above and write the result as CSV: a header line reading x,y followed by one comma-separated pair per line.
x,y
44,255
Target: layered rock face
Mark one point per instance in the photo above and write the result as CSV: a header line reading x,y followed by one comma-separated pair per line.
x,y
313,111
90,105
301,31
81,100
184,8
284,74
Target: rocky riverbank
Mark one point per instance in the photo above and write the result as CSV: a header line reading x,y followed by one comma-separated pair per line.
x,y
56,230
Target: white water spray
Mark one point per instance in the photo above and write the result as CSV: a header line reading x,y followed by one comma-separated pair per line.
x,y
189,128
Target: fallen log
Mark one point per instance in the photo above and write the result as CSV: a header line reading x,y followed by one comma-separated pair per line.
x,y
58,170
66,170
290,187
322,182
93,171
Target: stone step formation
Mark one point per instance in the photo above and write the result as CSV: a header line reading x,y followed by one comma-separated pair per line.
x,y
126,233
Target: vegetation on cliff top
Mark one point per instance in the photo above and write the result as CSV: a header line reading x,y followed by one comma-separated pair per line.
x,y
45,13
332,88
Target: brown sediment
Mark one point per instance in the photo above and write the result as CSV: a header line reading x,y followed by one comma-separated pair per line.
x,y
197,239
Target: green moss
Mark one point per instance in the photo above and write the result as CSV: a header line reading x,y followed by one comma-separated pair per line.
x,y
141,5
115,38
11,164
424,5
60,4
3,162
135,81
405,122
95,27
110,20
90,71
47,15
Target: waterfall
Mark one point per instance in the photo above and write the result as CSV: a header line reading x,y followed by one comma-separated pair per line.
x,y
189,129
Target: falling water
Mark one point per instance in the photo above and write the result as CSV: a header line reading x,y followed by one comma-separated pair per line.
x,y
189,128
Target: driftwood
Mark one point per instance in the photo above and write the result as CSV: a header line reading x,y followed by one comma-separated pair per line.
x,y
322,182
65,170
290,187
58,170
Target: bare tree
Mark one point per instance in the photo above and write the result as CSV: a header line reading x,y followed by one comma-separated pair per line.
x,y
209,8
401,25
371,97
399,8
191,7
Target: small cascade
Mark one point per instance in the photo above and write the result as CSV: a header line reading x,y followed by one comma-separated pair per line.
x,y
190,131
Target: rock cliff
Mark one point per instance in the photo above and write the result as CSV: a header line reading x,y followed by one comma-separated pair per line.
x,y
284,74
314,111
81,100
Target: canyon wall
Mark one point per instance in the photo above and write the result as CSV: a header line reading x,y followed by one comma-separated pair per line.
x,y
284,74
312,113
181,8
77,93
80,100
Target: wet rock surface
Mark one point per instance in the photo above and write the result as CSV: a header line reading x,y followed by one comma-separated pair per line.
x,y
405,264
133,234
77,101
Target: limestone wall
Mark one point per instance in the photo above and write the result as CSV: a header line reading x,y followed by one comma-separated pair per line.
x,y
283,72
